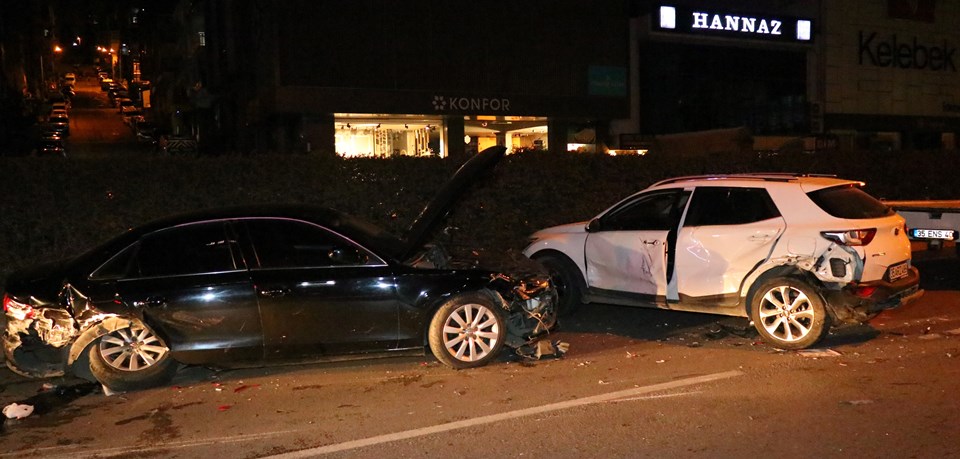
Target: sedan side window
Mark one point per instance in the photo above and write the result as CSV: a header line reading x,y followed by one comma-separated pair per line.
x,y
730,206
280,243
191,249
653,211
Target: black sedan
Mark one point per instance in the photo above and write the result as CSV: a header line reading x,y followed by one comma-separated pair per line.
x,y
268,284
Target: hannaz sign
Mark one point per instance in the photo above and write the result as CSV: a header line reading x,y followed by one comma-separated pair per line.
x,y
891,51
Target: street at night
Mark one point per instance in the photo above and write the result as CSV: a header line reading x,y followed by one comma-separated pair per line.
x,y
539,229
635,383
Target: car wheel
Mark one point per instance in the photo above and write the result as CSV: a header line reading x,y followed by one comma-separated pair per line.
x,y
568,281
131,358
789,313
467,331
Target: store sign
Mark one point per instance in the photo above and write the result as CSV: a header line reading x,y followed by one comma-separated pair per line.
x,y
471,104
764,27
891,51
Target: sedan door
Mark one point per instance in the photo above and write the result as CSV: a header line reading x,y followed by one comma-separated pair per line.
x,y
192,287
320,294
629,249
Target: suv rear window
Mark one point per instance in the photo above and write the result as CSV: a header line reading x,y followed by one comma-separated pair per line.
x,y
849,201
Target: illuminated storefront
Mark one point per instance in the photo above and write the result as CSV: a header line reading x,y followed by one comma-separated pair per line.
x,y
382,136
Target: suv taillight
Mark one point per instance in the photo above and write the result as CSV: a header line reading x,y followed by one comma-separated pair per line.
x,y
851,237
17,310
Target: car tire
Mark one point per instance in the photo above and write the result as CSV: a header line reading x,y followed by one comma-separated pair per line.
x,y
467,331
789,313
567,280
131,358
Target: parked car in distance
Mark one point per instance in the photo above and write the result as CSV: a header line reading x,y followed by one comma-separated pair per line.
x,y
124,103
146,131
794,253
106,84
269,284
51,147
70,79
59,123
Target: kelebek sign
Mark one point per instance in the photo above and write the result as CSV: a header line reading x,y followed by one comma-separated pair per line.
x,y
891,51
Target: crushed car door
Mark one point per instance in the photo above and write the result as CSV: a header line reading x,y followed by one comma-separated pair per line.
x,y
629,248
726,233
320,294
190,284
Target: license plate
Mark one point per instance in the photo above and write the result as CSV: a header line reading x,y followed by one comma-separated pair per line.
x,y
932,234
897,272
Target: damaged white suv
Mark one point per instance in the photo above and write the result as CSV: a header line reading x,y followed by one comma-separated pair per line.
x,y
794,253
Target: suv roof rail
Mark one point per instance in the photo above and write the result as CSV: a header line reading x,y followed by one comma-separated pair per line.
x,y
760,176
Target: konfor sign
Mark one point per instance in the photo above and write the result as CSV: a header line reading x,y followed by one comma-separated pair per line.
x,y
892,51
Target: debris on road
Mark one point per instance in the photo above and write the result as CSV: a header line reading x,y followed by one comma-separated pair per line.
x,y
930,336
17,411
858,402
245,387
816,353
543,348
954,332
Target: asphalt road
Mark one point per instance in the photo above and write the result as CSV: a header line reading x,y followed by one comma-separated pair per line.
x,y
635,383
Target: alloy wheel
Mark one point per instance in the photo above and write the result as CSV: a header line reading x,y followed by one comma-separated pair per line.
x,y
471,332
132,349
786,313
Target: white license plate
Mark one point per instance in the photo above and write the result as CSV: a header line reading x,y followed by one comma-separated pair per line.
x,y
897,272
933,234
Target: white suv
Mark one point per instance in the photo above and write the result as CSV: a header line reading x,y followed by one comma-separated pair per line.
x,y
794,253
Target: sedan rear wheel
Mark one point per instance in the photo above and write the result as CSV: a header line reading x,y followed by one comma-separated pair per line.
x,y
789,313
467,331
131,358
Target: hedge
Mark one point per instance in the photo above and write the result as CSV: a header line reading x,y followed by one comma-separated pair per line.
x,y
54,208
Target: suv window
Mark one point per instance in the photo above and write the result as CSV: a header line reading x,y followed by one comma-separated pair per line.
x,y
658,210
192,249
730,206
849,201
280,243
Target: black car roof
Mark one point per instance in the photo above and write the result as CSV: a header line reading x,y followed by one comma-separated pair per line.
x,y
364,233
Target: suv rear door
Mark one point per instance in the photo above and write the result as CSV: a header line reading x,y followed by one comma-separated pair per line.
x,y
726,233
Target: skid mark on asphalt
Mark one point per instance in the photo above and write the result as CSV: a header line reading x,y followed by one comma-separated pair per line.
x,y
612,396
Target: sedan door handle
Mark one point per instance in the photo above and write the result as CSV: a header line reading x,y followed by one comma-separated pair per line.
x,y
275,292
151,302
653,242
760,237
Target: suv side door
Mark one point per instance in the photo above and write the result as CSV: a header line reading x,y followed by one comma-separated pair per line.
x,y
726,233
629,249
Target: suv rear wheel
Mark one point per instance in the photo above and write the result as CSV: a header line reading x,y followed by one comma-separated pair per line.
x,y
789,313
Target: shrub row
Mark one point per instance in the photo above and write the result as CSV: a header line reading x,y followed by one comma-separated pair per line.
x,y
52,208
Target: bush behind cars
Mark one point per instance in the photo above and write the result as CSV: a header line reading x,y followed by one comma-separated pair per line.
x,y
55,209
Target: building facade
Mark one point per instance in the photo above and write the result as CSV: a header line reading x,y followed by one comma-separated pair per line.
x,y
848,74
435,78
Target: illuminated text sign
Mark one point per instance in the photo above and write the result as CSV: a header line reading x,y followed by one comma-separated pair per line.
x,y
695,21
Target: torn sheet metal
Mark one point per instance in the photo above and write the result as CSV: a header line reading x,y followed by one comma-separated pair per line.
x,y
543,348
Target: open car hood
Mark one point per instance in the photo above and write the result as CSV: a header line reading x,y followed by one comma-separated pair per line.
x,y
433,214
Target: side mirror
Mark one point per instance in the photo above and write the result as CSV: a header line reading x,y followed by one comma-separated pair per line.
x,y
593,226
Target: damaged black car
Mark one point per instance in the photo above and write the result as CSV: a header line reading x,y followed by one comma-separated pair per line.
x,y
268,284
